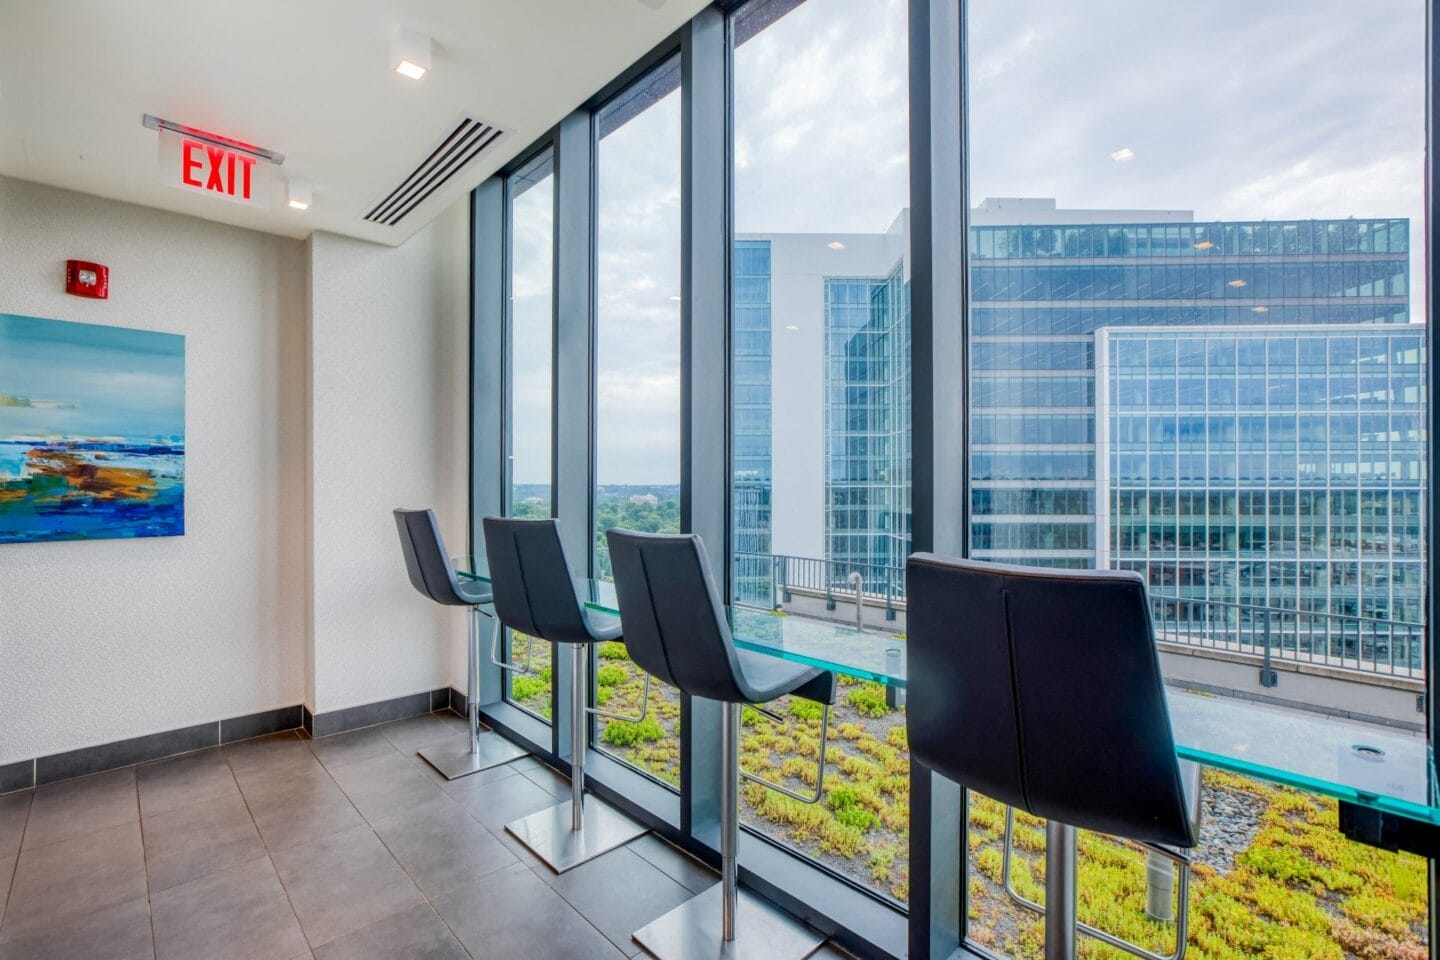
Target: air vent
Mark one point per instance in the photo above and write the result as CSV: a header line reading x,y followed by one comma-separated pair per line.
x,y
464,143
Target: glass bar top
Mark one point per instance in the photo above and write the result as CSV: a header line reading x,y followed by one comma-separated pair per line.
x,y
1385,769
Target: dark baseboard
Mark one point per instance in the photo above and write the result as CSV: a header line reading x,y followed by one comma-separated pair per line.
x,y
55,767
38,771
368,715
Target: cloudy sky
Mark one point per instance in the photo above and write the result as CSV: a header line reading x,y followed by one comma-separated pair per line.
x,y
1236,109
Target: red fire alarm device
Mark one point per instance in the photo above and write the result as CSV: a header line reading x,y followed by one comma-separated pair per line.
x,y
86,279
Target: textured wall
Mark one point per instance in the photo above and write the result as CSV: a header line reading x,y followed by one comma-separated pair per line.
x,y
111,639
389,377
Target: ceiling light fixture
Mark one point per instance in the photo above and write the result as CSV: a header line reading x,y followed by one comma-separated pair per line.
x,y
1123,155
835,245
1236,283
298,193
791,327
410,53
1204,245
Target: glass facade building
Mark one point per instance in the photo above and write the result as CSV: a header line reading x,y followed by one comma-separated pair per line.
x,y
751,429
1277,466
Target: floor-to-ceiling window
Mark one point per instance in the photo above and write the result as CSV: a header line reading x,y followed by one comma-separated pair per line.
x,y
1198,353
529,331
637,383
820,333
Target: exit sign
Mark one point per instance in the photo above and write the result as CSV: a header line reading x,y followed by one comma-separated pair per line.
x,y
201,166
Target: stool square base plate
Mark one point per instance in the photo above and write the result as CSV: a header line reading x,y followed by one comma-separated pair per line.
x,y
456,762
692,931
547,834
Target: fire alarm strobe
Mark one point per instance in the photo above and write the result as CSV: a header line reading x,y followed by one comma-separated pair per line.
x,y
86,279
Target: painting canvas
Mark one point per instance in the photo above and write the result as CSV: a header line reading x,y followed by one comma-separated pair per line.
x,y
92,431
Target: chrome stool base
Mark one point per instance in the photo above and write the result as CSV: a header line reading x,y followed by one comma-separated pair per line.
x,y
692,931
550,836
491,750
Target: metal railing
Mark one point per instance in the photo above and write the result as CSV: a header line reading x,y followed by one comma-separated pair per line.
x,y
1368,644
1371,645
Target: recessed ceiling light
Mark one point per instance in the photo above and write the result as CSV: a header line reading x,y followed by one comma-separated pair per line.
x,y
1236,283
1204,245
298,193
791,327
1123,155
835,245
1261,309
410,53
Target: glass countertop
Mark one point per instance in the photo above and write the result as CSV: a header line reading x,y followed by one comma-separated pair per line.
x,y
1378,767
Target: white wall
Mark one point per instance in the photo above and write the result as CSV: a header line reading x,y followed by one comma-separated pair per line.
x,y
110,639
389,386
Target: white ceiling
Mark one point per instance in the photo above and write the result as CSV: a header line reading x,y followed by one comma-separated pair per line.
x,y
310,79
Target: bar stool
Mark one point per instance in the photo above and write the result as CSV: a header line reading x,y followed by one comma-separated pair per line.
x,y
1042,689
432,574
676,629
535,594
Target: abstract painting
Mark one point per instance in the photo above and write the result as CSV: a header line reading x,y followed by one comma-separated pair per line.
x,y
92,431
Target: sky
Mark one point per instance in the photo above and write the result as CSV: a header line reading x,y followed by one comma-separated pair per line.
x,y
1235,109
81,380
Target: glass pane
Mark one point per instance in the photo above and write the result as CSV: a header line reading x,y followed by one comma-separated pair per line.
x,y
821,393
530,331
1198,353
637,412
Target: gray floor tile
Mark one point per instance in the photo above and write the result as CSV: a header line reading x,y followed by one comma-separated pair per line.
x,y
513,914
7,873
414,733
343,882
620,893
64,810
441,846
119,932
181,781
350,747
384,786
236,914
416,934
496,804
74,877
279,751
678,865
556,785
14,811
199,839
300,810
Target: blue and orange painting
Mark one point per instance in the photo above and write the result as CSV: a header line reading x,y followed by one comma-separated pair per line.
x,y
92,431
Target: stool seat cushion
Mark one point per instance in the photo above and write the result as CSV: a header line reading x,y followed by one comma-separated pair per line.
x,y
767,678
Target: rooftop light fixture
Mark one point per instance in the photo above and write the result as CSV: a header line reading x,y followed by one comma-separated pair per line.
x,y
298,193
835,245
1261,309
1204,245
1236,283
410,53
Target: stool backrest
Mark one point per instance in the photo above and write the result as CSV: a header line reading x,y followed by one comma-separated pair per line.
x,y
675,627
425,558
1042,689
531,581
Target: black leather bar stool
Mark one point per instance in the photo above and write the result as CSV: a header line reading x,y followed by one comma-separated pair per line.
x,y
432,573
1042,689
676,629
535,594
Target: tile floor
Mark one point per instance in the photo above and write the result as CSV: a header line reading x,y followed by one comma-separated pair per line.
x,y
347,848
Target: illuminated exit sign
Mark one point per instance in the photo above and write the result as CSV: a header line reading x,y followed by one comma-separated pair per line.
x,y
206,163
